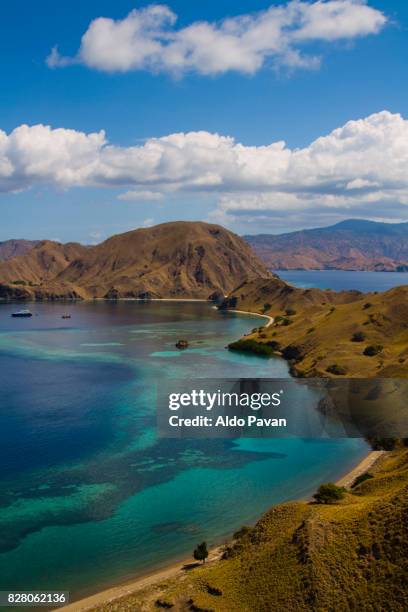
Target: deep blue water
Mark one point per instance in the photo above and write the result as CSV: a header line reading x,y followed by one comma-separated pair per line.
x,y
338,280
88,495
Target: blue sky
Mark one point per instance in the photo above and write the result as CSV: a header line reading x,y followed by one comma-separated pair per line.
x,y
313,82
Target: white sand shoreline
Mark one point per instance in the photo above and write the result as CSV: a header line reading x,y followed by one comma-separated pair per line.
x,y
254,314
365,464
175,570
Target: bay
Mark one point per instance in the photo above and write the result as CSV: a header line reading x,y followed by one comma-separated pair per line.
x,y
89,496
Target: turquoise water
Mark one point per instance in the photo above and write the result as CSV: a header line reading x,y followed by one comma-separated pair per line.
x,y
89,495
337,280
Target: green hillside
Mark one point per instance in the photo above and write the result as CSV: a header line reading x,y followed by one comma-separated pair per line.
x,y
351,555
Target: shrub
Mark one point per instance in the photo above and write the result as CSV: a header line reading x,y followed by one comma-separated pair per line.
x,y
161,603
367,305
214,591
358,337
275,346
292,353
329,493
361,478
285,321
387,444
243,531
267,306
372,350
251,346
336,369
201,553
290,312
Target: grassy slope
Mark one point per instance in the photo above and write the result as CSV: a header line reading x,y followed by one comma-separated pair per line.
x,y
324,323
302,556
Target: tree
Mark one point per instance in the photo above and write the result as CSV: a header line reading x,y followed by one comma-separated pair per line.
x,y
201,552
358,337
336,369
329,493
372,350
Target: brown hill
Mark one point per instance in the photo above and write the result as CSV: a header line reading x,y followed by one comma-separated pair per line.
x,y
41,264
324,333
15,248
350,245
172,260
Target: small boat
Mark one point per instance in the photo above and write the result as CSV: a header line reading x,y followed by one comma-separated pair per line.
x,y
182,344
22,313
66,316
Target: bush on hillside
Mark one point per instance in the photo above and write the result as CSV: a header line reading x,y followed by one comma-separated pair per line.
x,y
201,552
243,531
329,493
372,350
336,369
251,346
361,478
358,337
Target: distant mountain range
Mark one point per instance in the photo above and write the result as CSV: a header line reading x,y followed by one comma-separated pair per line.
x,y
172,260
191,260
14,248
349,245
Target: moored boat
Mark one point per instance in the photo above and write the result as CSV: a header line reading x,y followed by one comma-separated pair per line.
x,y
22,313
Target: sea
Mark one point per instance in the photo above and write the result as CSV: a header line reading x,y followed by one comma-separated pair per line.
x,y
339,280
90,496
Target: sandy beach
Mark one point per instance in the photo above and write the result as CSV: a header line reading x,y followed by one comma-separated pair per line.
x,y
177,569
254,314
154,577
347,480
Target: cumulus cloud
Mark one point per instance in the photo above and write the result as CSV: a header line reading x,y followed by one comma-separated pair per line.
x,y
140,195
359,168
147,39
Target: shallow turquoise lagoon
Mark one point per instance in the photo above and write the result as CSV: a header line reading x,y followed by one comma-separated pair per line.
x,y
89,495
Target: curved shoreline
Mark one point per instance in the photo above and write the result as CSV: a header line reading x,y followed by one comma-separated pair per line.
x,y
175,570
365,464
254,314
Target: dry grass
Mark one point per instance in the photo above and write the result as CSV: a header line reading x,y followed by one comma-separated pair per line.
x,y
320,338
303,556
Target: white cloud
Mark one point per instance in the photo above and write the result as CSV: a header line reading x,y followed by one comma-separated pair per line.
x,y
96,237
360,168
140,195
147,38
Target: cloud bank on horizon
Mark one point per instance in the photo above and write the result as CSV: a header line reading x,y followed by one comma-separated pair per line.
x,y
147,39
359,169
